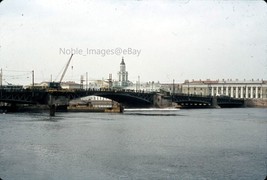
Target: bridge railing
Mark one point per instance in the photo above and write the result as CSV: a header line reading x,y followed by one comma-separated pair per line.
x,y
113,90
207,96
191,95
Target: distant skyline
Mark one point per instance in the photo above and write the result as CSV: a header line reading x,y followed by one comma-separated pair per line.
x,y
171,39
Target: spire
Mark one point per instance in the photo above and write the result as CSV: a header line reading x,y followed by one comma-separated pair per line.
x,y
123,75
122,61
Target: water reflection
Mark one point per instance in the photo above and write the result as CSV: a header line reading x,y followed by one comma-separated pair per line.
x,y
153,112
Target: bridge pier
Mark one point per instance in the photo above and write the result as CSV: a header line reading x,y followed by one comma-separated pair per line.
x,y
57,103
52,110
160,101
52,105
214,102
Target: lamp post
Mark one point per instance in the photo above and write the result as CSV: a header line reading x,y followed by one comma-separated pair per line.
x,y
32,79
86,79
1,77
139,85
173,87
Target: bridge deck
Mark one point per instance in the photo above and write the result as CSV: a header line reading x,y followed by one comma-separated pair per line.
x,y
126,98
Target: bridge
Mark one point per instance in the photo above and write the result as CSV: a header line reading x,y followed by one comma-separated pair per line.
x,y
59,97
62,96
198,101
124,97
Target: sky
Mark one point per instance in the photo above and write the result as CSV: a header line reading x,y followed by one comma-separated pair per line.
x,y
159,40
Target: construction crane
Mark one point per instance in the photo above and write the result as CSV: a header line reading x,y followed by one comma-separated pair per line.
x,y
56,85
65,70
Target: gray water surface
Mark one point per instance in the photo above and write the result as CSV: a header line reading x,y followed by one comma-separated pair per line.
x,y
188,144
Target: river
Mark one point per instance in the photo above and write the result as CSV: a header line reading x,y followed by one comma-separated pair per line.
x,y
185,144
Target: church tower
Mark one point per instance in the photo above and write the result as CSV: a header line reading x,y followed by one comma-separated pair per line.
x,y
123,74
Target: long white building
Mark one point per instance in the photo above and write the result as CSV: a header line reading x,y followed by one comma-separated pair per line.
x,y
249,89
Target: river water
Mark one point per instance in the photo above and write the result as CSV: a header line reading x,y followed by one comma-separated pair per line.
x,y
187,144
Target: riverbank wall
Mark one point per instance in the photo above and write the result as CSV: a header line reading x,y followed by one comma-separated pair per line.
x,y
256,102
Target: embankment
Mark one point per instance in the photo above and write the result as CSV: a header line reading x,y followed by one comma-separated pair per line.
x,y
256,102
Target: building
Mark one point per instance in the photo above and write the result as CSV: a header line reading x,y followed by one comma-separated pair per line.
x,y
249,89
98,84
123,80
171,88
150,86
64,85
123,75
41,85
70,85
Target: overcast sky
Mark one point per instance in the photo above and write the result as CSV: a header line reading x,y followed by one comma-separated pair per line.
x,y
176,39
